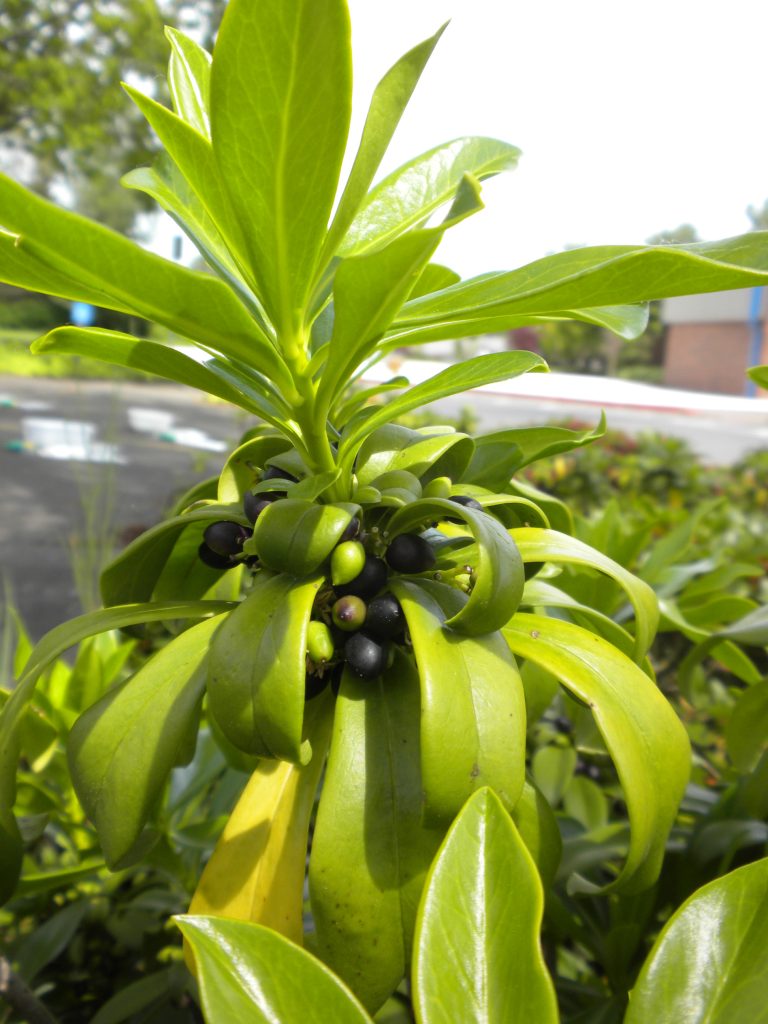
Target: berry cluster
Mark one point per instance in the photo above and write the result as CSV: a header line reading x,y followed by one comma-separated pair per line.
x,y
356,620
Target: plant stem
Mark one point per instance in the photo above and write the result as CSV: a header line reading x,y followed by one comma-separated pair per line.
x,y
22,998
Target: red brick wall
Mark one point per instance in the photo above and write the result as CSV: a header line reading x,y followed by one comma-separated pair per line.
x,y
707,357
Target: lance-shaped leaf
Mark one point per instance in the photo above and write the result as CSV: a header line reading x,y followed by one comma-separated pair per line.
x,y
759,374
472,373
258,666
256,871
499,585
128,278
389,100
149,356
245,463
477,955
370,849
342,410
133,575
280,107
747,729
122,749
752,630
537,825
708,965
369,290
500,454
549,546
410,194
602,276
250,973
426,455
472,704
647,742
189,80
627,322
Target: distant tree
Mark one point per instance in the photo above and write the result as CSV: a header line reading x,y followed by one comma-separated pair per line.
x,y
63,116
673,236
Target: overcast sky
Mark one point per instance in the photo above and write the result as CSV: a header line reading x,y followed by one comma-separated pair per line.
x,y
632,117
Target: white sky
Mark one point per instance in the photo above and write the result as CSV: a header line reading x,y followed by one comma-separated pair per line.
x,y
632,117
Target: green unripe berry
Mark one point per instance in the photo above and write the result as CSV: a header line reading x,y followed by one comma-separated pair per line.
x,y
347,561
349,613
319,642
440,487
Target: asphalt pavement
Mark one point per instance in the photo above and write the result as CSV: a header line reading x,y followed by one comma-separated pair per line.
x,y
86,465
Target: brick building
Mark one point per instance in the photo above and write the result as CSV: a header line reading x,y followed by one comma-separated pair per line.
x,y
712,339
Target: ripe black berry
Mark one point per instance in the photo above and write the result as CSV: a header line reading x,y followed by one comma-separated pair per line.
x,y
466,501
385,617
212,559
365,657
352,530
226,538
368,582
410,553
254,505
275,473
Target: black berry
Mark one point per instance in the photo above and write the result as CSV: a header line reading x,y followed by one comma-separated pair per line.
x,y
385,618
275,473
254,505
466,501
352,530
368,582
410,553
365,657
226,538
212,559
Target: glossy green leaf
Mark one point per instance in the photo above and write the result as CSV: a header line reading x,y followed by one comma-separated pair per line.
x,y
296,536
127,277
134,574
343,410
258,666
627,322
250,973
550,546
477,954
708,965
370,849
647,742
34,882
552,769
150,356
472,373
122,749
746,731
537,825
498,588
246,463
389,100
585,801
394,447
434,277
141,995
751,630
407,196
189,80
603,276
472,704
49,939
759,374
280,107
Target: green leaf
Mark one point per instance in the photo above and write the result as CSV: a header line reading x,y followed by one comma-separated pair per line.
x,y
280,107
296,536
532,444
393,447
746,732
472,373
258,665
245,463
388,102
585,801
127,278
150,356
49,939
708,965
138,996
407,197
499,584
759,374
648,744
477,954
250,973
602,276
189,80
472,704
134,574
538,828
752,629
36,882
537,545
370,850
552,769
343,409
122,749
